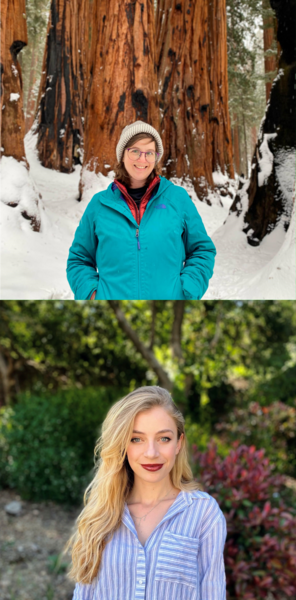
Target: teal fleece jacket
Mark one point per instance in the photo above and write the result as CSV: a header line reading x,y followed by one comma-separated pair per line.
x,y
169,256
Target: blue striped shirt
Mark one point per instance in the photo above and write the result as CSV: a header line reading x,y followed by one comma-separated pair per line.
x,y
182,559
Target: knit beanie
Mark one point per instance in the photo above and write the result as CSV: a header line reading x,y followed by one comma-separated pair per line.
x,y
138,127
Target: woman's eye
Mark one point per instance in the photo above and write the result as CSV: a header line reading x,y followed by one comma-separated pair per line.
x,y
162,438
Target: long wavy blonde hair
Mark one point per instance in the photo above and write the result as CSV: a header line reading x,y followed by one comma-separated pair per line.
x,y
105,496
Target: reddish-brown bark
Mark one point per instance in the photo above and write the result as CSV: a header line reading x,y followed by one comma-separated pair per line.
x,y
3,12
193,88
64,82
13,39
124,79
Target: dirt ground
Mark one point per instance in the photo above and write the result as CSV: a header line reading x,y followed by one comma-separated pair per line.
x,y
30,545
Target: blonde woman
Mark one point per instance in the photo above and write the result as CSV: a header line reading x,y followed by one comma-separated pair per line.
x,y
147,532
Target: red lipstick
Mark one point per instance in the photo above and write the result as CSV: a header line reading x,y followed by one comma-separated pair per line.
x,y
152,467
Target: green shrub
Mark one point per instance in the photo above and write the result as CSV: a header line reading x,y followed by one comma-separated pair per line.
x,y
50,442
200,436
5,424
270,427
260,550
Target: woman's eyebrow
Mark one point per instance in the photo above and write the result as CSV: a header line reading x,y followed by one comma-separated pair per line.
x,y
161,431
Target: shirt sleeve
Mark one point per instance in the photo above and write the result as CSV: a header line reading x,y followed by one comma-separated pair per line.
x,y
200,253
211,566
81,265
83,591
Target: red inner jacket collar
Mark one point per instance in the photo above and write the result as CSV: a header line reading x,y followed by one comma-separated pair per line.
x,y
138,213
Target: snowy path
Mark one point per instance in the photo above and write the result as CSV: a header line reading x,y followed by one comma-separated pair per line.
x,y
33,264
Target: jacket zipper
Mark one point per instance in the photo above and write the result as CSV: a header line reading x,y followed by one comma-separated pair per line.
x,y
138,259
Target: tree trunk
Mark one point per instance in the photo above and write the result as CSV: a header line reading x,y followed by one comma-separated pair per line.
x,y
31,99
245,146
63,82
146,353
270,59
253,136
270,190
153,323
176,337
193,87
6,380
124,80
13,39
3,13
236,146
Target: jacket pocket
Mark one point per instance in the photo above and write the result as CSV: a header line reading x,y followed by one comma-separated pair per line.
x,y
177,559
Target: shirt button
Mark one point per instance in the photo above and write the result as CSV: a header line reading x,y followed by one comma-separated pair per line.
x,y
140,581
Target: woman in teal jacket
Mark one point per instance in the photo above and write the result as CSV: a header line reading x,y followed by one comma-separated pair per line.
x,y
142,237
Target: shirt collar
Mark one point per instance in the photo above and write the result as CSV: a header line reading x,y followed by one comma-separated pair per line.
x,y
182,501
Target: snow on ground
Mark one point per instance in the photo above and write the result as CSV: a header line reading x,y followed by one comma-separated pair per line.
x,y
33,265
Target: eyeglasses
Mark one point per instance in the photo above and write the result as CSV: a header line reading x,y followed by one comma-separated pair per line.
x,y
134,154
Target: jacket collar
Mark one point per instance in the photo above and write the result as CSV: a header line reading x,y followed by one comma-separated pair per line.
x,y
112,198
136,211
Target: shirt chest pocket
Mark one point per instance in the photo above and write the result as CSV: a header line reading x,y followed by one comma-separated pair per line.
x,y
177,559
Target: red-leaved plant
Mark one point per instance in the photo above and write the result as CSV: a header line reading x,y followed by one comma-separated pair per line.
x,y
260,550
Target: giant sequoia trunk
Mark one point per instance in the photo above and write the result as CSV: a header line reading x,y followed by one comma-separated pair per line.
x,y
18,192
63,87
267,198
13,39
193,87
124,81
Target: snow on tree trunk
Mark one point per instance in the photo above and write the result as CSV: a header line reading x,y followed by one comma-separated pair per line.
x,y
17,186
193,90
267,199
63,82
124,80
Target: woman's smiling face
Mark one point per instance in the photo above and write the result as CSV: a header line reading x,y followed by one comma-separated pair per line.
x,y
156,444
140,169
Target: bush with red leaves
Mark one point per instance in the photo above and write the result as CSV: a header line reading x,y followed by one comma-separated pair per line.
x,y
260,550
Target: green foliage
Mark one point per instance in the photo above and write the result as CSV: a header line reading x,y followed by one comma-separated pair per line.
x,y
200,437
50,442
246,77
260,549
232,352
268,427
6,413
56,565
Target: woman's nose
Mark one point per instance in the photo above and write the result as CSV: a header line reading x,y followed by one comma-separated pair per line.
x,y
143,158
151,451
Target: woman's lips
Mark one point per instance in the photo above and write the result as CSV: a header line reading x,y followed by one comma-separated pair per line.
x,y
152,467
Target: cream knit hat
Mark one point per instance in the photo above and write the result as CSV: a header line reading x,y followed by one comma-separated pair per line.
x,y
138,127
